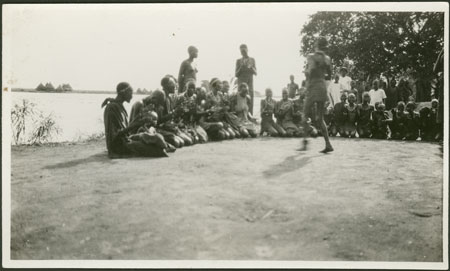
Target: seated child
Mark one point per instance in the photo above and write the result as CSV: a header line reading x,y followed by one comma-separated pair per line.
x,y
267,109
435,126
284,112
412,122
330,121
340,114
298,117
351,116
148,134
380,122
425,124
398,122
364,117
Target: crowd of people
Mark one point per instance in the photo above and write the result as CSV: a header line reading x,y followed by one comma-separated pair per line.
x,y
366,119
183,114
163,121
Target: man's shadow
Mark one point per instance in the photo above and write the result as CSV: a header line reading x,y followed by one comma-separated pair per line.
x,y
289,164
99,157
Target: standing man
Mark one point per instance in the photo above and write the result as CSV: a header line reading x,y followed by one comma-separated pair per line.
x,y
318,77
245,69
345,80
188,69
292,88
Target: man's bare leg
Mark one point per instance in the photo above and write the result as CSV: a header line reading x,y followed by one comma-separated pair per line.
x,y
324,129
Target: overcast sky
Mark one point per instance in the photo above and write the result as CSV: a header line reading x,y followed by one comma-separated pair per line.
x,y
94,47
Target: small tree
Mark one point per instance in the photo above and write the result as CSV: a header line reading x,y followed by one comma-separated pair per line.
x,y
45,130
20,115
23,116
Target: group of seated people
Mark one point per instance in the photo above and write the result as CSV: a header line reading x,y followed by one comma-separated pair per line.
x,y
163,121
349,119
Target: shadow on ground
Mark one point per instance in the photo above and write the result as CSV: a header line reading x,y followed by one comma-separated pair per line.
x,y
289,164
99,157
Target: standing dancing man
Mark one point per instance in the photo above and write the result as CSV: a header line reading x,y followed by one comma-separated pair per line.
x,y
318,76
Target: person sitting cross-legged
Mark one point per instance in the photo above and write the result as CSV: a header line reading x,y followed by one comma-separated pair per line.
x,y
120,139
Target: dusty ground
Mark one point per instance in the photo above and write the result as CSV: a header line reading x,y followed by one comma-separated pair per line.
x,y
242,199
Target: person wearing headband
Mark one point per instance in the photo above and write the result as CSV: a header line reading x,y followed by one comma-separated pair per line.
x,y
188,69
245,70
120,140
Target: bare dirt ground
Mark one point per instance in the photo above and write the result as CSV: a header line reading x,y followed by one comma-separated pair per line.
x,y
235,200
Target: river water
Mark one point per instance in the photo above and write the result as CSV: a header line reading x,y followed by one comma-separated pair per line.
x,y
78,115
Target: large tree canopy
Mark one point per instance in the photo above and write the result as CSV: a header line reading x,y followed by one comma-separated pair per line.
x,y
378,42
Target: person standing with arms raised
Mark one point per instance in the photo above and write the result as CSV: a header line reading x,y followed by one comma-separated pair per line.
x,y
188,69
245,69
318,77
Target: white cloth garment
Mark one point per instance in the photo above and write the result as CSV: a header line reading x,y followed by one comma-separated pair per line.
x,y
376,96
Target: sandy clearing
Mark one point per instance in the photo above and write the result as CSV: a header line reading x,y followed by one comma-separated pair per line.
x,y
236,200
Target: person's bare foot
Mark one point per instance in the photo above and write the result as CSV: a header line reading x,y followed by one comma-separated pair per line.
x,y
305,146
327,149
170,148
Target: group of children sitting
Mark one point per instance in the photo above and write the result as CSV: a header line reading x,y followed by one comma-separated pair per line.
x,y
349,119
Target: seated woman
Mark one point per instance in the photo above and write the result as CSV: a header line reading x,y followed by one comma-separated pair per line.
x,y
240,104
200,114
213,115
168,128
412,122
267,109
185,111
364,122
230,121
351,117
119,140
284,113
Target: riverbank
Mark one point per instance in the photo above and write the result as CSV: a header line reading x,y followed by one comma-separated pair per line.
x,y
255,199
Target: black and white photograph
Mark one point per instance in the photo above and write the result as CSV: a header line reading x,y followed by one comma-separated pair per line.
x,y
209,135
